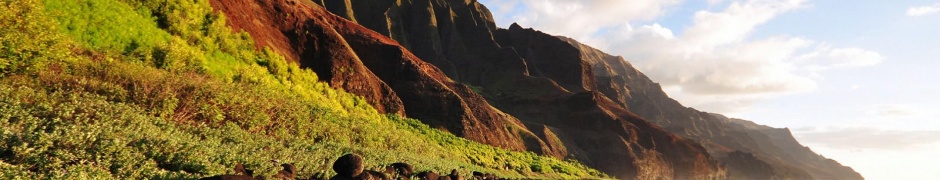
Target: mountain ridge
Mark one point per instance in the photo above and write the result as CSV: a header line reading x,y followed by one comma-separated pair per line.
x,y
784,151
647,99
612,76
636,154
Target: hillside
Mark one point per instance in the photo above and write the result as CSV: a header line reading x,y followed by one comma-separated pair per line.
x,y
183,89
564,87
110,89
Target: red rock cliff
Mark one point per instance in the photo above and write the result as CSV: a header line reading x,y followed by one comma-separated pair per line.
x,y
366,63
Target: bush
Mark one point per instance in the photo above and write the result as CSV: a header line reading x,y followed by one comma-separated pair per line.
x,y
106,25
26,42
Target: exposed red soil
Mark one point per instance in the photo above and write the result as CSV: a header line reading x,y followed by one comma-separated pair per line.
x,y
297,34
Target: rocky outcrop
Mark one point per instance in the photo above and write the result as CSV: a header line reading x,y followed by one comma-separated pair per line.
x,y
371,65
446,33
548,57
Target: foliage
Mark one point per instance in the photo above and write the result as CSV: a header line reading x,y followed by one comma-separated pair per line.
x,y
106,25
25,42
162,89
490,157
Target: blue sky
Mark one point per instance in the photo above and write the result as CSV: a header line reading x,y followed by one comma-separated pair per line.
x,y
857,81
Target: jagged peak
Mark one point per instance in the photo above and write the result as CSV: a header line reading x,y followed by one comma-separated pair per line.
x,y
515,26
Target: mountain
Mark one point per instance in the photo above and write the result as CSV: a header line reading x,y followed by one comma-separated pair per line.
x,y
570,95
582,124
553,100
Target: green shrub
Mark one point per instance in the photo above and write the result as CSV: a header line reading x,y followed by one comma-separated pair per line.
x,y
26,42
106,25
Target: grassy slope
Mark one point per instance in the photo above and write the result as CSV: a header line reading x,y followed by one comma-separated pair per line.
x,y
163,89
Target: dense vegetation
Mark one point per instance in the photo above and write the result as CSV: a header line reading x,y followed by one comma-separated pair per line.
x,y
163,89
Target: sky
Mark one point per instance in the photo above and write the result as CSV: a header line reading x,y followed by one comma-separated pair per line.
x,y
856,81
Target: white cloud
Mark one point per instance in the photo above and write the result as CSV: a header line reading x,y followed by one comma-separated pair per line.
x,y
580,19
825,57
714,2
894,110
923,10
859,138
736,22
714,66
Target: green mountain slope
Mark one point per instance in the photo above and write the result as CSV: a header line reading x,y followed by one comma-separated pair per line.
x,y
162,89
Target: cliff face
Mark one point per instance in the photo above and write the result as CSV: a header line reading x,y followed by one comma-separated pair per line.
x,y
371,65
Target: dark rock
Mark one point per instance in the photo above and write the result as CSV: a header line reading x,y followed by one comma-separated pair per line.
x,y
288,172
489,176
428,175
454,175
240,170
372,175
401,169
349,165
478,175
